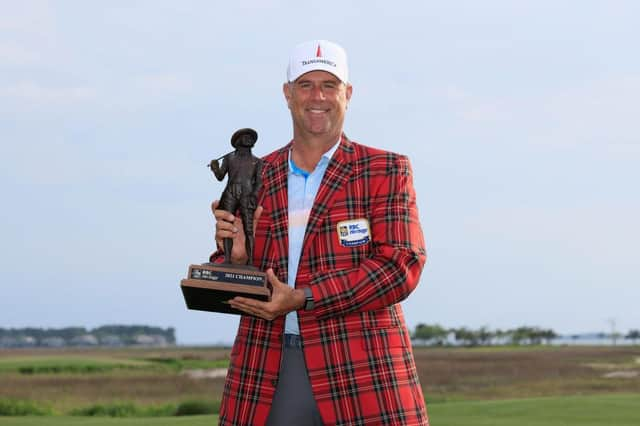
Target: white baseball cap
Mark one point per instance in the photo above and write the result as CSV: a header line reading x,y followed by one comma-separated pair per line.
x,y
318,55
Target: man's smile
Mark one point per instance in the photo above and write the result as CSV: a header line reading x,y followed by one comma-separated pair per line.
x,y
318,110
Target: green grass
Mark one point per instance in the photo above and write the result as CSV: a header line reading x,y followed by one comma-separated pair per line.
x,y
87,365
189,363
107,421
125,409
13,407
129,409
593,410
68,364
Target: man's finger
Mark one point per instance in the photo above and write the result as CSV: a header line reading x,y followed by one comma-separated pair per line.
x,y
257,213
247,305
220,235
243,308
223,215
237,222
223,225
273,279
256,216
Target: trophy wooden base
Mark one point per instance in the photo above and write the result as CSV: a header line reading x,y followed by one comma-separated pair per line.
x,y
210,286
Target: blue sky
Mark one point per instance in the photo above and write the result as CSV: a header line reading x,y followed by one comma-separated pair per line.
x,y
518,118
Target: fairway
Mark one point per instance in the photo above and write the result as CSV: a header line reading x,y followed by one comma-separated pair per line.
x,y
594,410
102,421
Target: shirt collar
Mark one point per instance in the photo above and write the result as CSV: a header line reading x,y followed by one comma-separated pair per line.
x,y
326,157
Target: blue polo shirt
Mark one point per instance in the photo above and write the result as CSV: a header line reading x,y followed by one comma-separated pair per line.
x,y
302,190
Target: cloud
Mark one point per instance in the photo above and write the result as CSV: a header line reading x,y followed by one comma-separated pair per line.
x,y
598,235
28,16
13,54
164,83
474,108
34,93
596,111
602,111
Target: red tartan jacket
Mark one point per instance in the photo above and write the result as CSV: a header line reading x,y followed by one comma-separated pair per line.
x,y
356,344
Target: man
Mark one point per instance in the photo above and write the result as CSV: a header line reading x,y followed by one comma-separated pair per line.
x,y
245,172
337,232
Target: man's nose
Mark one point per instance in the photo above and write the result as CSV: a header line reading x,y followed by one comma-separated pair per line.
x,y
317,92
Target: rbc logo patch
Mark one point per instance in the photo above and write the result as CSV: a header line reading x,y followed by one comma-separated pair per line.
x,y
352,233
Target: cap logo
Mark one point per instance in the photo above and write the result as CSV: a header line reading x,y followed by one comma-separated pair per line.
x,y
318,61
318,55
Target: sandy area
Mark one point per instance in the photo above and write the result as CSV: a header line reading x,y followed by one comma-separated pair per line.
x,y
213,373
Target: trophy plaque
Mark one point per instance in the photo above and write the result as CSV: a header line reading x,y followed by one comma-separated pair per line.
x,y
209,287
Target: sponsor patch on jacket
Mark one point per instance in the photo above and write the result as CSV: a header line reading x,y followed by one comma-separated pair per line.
x,y
354,232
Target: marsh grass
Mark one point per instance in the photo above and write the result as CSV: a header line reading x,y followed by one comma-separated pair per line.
x,y
179,364
119,409
592,410
197,407
154,377
93,365
14,407
502,373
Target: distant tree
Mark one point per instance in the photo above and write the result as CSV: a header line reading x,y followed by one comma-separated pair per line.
x,y
171,335
129,334
126,334
531,335
484,335
466,336
523,334
633,335
614,337
434,333
498,335
36,333
536,335
548,335
69,333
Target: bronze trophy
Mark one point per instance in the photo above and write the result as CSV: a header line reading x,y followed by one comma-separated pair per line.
x,y
209,286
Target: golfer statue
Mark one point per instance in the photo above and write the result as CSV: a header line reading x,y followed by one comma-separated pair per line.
x,y
244,183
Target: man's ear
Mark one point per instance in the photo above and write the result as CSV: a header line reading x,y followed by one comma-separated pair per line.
x,y
348,93
286,90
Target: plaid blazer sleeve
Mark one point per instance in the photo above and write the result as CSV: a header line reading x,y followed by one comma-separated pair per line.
x,y
391,270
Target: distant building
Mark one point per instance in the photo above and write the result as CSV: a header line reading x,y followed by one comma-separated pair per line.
x,y
108,336
8,342
53,342
150,340
27,342
84,340
111,340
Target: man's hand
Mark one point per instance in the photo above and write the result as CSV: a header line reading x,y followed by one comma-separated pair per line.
x,y
284,299
229,226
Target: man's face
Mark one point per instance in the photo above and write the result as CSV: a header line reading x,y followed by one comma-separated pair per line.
x,y
318,101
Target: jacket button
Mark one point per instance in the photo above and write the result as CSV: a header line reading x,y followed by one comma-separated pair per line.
x,y
274,382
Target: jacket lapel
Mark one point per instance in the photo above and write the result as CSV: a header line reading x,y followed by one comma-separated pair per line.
x,y
335,177
275,192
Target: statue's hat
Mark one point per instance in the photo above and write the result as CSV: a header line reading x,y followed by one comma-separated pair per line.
x,y
241,132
